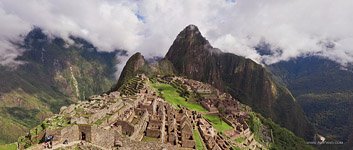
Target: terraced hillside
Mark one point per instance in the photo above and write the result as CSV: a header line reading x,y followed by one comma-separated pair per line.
x,y
161,112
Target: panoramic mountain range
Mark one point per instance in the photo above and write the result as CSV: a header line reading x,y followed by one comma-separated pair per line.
x,y
302,95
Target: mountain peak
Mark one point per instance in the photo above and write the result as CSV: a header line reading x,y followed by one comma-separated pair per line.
x,y
189,32
191,27
188,42
135,62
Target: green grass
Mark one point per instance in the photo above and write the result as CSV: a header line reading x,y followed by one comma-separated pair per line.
x,y
149,139
236,148
283,138
198,140
240,139
172,96
218,123
10,130
100,121
255,126
11,146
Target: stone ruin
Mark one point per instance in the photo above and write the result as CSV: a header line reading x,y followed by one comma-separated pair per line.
x,y
136,112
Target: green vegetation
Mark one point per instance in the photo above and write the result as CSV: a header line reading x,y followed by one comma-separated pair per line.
x,y
324,90
149,139
218,123
236,148
130,70
131,87
172,96
10,130
40,87
26,116
199,143
330,113
283,138
52,123
11,146
255,125
100,121
240,139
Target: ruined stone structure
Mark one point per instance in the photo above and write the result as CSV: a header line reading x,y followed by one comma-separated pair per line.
x,y
210,137
136,113
209,105
93,134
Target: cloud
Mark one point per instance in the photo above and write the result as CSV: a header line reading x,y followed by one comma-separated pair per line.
x,y
10,32
297,28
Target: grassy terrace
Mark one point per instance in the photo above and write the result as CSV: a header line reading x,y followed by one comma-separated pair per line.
x,y
218,123
149,139
11,146
240,139
172,96
198,140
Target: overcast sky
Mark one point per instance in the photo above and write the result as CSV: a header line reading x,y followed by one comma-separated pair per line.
x,y
297,27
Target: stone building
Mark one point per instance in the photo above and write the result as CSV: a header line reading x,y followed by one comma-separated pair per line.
x,y
187,139
93,134
210,138
154,128
209,105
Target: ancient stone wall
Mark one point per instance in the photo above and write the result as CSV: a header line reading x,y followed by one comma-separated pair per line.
x,y
71,133
99,115
56,133
127,129
85,132
188,143
104,138
155,133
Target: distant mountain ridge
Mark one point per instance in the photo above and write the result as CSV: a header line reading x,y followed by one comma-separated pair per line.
x,y
324,90
54,74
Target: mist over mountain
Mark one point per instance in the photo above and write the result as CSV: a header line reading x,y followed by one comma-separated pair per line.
x,y
150,26
52,74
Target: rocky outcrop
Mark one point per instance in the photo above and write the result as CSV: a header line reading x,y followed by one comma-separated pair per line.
x,y
138,64
135,62
194,57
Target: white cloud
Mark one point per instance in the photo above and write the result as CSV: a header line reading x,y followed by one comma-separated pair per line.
x,y
9,33
298,27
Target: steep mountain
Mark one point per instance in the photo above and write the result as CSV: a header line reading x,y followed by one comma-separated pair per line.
x,y
324,90
193,56
53,74
137,64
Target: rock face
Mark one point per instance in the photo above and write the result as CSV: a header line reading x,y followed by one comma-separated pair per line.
x,y
193,56
138,64
135,62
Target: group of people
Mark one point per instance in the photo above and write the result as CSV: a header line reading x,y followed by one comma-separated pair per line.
x,y
48,142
